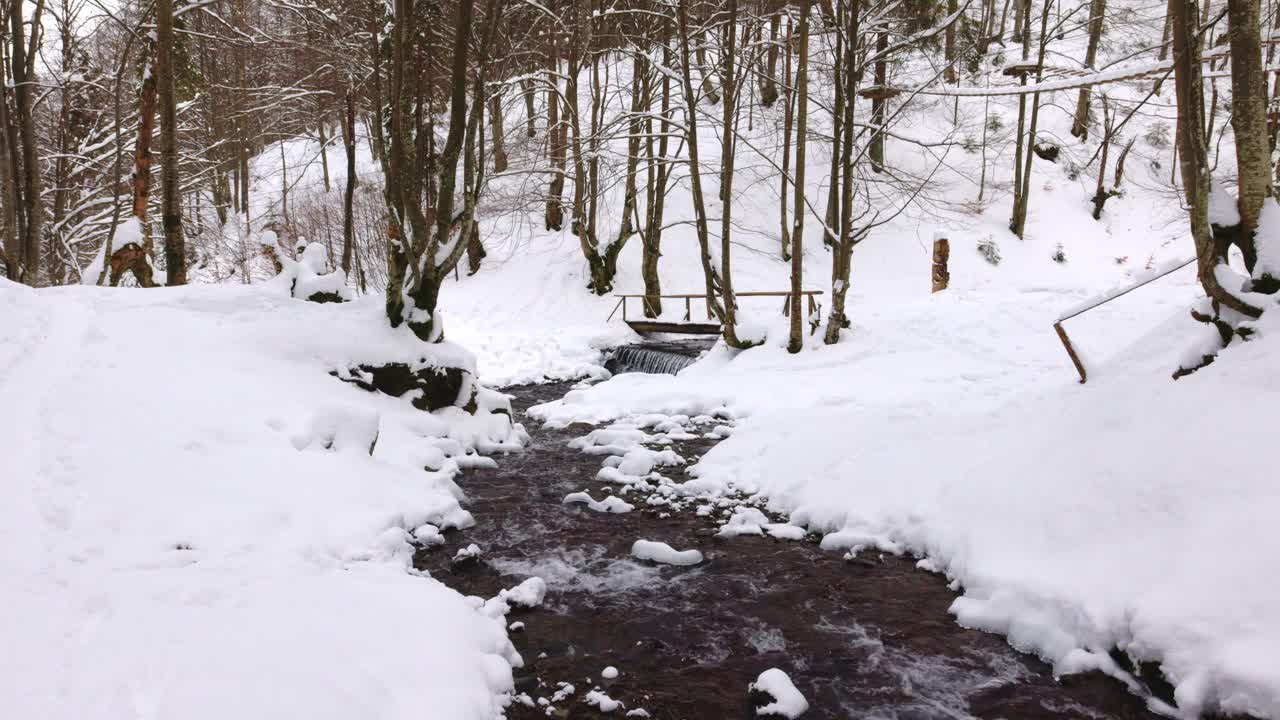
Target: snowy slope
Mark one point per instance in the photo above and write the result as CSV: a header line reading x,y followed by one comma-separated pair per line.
x,y
192,524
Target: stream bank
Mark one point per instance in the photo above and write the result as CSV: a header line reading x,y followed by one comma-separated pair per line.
x,y
867,637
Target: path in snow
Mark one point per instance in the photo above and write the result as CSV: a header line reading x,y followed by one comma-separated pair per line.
x,y
862,638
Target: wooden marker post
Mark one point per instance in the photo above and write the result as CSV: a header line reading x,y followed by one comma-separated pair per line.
x,y
941,254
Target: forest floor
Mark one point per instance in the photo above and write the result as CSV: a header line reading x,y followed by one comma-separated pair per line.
x,y
860,636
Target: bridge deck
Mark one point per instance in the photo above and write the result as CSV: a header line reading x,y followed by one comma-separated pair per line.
x,y
645,327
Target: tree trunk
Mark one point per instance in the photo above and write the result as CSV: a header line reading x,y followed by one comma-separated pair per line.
x,y
415,271
842,259
495,125
1193,149
324,153
1097,13
876,151
657,195
708,87
9,203
1249,122
796,341
728,143
709,272
131,256
555,142
379,144
531,129
768,85
949,45
175,254
837,129
349,194
788,101
1029,155
22,66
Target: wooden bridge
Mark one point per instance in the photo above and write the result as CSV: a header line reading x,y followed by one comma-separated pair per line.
x,y
688,326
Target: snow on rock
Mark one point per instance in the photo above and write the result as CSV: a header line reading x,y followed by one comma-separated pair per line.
x,y
661,552
528,594
602,702
470,553
165,540
609,673
617,439
786,702
744,521
611,504
428,535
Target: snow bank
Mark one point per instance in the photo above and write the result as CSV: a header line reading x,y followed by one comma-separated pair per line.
x,y
1076,519
197,521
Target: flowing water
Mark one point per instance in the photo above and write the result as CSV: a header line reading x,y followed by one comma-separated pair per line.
x,y
862,638
669,357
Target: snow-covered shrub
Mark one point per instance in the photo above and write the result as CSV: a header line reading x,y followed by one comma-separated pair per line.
x,y
989,250
1157,134
307,277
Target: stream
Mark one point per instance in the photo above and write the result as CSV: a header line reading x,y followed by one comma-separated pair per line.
x,y
867,637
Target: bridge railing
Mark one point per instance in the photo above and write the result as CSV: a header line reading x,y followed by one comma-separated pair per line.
x,y
646,301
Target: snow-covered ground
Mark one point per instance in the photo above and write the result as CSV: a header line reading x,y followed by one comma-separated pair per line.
x,y
165,537
193,525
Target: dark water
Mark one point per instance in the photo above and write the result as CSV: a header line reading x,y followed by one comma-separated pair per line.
x,y
863,638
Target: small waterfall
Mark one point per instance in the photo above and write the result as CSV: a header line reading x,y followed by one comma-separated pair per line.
x,y
655,357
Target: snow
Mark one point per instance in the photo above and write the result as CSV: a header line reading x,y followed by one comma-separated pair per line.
x,y
196,522
609,673
661,552
1073,518
787,700
1223,210
1267,240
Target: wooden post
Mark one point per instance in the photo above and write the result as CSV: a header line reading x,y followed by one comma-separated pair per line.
x,y
1066,342
941,254
688,309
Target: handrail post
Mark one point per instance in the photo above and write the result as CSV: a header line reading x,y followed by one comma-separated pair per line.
x,y
1071,351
